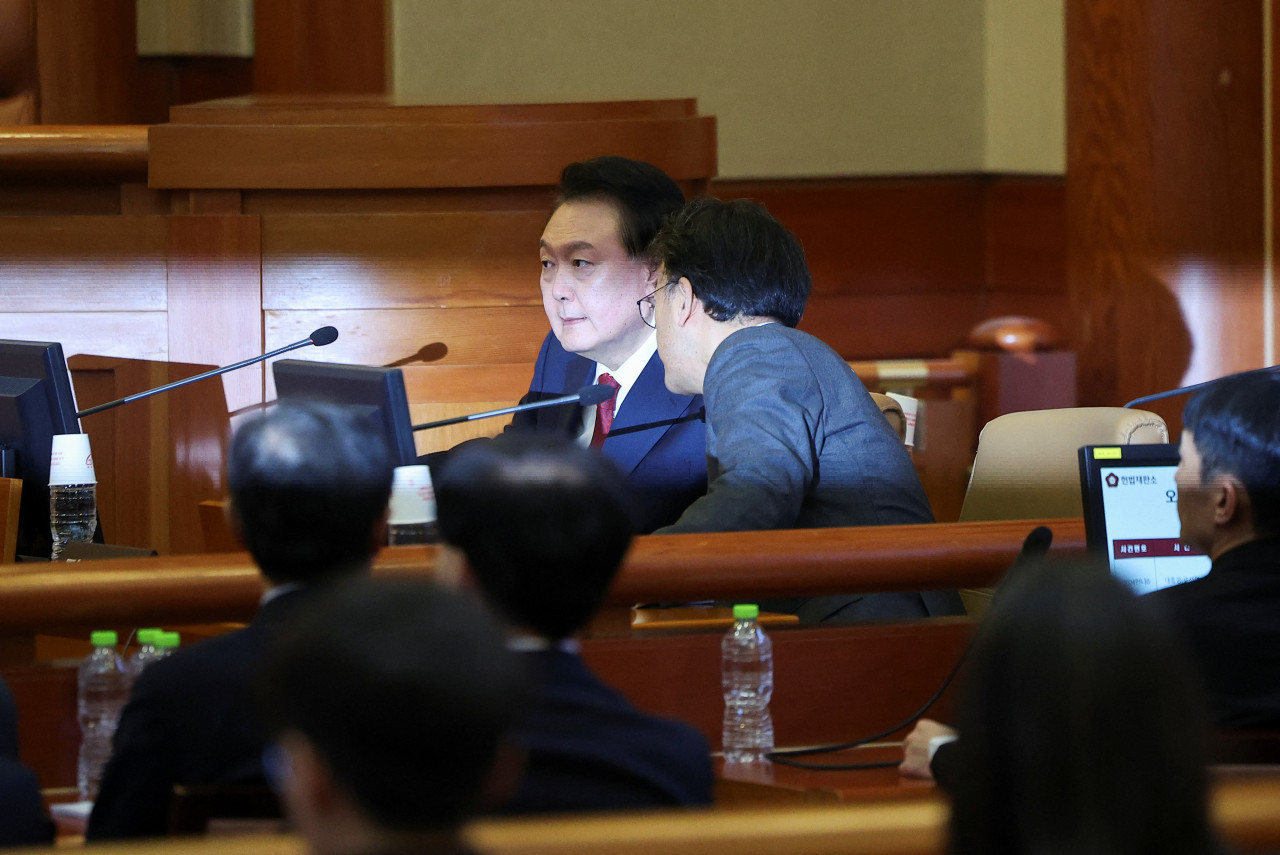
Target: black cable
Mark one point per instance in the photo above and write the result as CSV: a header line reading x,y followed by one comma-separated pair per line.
x,y
1034,548
783,758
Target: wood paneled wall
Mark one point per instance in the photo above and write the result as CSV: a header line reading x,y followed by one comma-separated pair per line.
x,y
905,267
89,71
1165,193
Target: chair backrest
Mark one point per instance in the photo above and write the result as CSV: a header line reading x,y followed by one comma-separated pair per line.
x,y
892,411
1027,465
10,507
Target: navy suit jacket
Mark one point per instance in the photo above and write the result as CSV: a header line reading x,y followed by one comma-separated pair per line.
x,y
658,439
589,749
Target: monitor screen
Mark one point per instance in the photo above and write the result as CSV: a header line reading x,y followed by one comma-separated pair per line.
x,y
35,404
379,390
1131,515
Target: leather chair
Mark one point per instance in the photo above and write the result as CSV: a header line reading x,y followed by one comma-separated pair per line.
x,y
892,411
1027,465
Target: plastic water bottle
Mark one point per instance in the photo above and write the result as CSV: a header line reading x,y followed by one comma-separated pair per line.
x,y
746,677
73,514
103,690
166,643
146,653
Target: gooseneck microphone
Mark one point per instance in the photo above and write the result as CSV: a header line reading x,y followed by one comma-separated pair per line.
x,y
319,338
1146,399
587,396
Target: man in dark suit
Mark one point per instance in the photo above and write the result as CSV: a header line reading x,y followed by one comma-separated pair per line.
x,y
23,819
390,703
309,485
793,438
540,527
1229,507
594,270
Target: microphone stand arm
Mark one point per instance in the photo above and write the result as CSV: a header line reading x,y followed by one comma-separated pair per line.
x,y
574,398
214,373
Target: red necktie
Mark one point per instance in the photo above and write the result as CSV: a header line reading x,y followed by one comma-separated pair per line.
x,y
604,412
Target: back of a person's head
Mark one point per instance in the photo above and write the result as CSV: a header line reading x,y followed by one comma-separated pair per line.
x,y
1235,424
641,193
404,688
543,523
1082,727
309,484
740,261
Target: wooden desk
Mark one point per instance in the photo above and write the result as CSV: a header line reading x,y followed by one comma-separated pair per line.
x,y
768,784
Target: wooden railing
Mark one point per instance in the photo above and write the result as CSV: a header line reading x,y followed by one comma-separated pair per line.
x,y
85,152
727,565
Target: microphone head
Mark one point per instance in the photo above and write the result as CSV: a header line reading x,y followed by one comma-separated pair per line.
x,y
596,393
324,335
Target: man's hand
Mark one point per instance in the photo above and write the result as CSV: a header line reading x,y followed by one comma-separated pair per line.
x,y
915,760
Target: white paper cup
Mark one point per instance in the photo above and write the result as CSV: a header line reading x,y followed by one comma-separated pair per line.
x,y
910,409
413,498
71,461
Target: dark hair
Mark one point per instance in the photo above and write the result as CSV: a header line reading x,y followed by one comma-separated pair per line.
x,y
739,259
1082,729
544,524
404,688
642,193
1235,425
309,483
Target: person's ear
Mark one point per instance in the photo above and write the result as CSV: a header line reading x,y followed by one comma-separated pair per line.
x,y
1230,501
308,787
686,305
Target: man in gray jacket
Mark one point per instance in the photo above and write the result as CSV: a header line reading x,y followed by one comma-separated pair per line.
x,y
793,438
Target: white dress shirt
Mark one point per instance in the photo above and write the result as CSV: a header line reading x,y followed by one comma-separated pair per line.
x,y
626,375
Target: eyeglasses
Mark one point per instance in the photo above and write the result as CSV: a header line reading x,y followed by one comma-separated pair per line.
x,y
648,308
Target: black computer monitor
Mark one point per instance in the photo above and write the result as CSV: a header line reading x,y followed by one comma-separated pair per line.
x,y
35,404
1131,515
378,390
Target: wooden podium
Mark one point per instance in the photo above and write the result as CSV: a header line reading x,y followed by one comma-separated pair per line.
x,y
157,458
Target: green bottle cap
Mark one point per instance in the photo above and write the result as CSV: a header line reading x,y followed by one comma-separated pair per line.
x,y
168,640
148,635
746,611
103,638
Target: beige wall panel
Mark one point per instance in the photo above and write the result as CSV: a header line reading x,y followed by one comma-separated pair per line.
x,y
401,260
414,337
1024,74
800,87
82,263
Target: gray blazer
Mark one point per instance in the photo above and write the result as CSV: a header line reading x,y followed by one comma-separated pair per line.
x,y
795,441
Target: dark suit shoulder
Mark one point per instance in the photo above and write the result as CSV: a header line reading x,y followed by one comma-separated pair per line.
x,y
590,749
23,821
